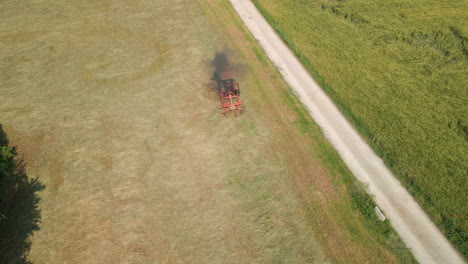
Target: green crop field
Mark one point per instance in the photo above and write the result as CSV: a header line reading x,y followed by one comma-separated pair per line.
x,y
399,71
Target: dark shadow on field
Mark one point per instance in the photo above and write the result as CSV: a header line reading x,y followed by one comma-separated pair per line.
x,y
19,206
220,63
3,137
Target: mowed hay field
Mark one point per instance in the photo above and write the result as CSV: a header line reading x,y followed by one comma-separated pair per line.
x,y
112,107
398,70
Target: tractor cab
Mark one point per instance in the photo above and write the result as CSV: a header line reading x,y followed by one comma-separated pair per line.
x,y
229,93
230,85
228,82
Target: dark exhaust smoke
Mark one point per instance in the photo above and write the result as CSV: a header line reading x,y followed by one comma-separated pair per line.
x,y
228,60
220,62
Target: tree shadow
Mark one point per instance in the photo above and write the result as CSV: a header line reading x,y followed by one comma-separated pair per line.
x,y
19,205
3,138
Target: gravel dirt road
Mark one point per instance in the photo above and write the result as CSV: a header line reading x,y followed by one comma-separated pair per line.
x,y
409,220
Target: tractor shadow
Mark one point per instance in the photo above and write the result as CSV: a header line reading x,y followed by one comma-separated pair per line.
x,y
215,79
19,212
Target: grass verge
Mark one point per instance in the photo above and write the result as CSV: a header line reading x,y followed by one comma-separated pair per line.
x,y
359,199
398,72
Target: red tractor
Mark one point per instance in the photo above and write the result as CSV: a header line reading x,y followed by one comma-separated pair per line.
x,y
229,93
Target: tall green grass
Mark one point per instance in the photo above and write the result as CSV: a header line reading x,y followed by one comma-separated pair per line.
x,y
399,71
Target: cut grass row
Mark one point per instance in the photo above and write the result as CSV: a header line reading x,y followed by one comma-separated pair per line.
x,y
398,71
